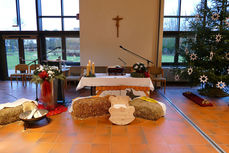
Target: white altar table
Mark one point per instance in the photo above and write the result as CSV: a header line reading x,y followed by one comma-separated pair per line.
x,y
103,79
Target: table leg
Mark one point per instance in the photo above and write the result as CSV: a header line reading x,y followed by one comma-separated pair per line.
x,y
92,90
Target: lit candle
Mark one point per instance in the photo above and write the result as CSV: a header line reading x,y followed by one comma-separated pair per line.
x,y
89,63
93,68
88,70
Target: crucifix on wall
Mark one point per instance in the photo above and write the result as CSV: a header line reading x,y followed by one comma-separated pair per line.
x,y
117,19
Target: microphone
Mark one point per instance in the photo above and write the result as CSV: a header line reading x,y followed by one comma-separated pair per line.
x,y
57,48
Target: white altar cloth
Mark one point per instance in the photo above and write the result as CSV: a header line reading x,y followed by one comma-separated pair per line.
x,y
103,79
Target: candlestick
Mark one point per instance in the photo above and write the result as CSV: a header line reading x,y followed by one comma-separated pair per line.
x,y
88,70
93,68
89,63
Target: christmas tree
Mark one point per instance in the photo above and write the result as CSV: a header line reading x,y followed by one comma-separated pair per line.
x,y
206,53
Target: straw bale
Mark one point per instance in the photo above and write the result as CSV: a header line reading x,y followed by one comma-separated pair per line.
x,y
10,114
90,107
147,110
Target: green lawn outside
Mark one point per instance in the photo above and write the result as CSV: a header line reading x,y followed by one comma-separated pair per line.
x,y
13,58
167,58
170,59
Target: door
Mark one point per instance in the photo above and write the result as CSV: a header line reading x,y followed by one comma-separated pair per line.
x,y
20,51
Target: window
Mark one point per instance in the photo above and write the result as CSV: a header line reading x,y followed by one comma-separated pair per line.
x,y
168,50
12,54
9,21
19,15
177,15
51,7
61,16
53,48
53,15
28,15
73,49
30,50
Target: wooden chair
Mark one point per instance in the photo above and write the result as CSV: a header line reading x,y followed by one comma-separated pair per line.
x,y
101,69
23,68
31,68
74,75
157,75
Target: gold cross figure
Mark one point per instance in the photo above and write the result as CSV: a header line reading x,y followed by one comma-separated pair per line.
x,y
117,19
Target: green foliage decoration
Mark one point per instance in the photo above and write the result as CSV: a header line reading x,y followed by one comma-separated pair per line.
x,y
207,51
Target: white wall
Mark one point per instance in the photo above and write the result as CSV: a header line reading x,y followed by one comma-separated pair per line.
x,y
138,31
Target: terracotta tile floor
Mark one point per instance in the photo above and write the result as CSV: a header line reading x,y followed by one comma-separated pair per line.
x,y
214,121
170,134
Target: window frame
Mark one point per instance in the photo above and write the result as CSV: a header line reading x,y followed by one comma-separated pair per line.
x,y
177,34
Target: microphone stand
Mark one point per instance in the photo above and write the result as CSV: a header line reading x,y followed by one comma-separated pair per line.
x,y
148,61
35,61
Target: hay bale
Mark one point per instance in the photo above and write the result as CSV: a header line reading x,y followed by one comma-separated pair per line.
x,y
147,110
90,107
10,114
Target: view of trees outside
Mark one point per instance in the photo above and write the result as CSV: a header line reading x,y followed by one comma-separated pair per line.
x,y
51,16
73,49
53,48
168,51
12,53
30,49
172,17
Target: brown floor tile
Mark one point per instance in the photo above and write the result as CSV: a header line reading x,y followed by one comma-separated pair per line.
x,y
193,139
202,148
137,139
174,139
180,149
81,148
119,139
118,130
61,148
102,139
159,148
221,139
43,147
100,148
140,148
225,148
85,138
31,136
103,130
66,138
120,148
155,139
48,137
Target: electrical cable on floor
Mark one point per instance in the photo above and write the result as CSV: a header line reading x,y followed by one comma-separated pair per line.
x,y
212,142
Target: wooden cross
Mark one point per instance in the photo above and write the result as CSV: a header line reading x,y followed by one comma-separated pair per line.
x,y
117,19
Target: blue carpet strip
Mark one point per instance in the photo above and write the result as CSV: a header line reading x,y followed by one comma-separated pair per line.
x,y
213,143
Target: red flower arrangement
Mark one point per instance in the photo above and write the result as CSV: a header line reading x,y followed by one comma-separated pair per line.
x,y
44,75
